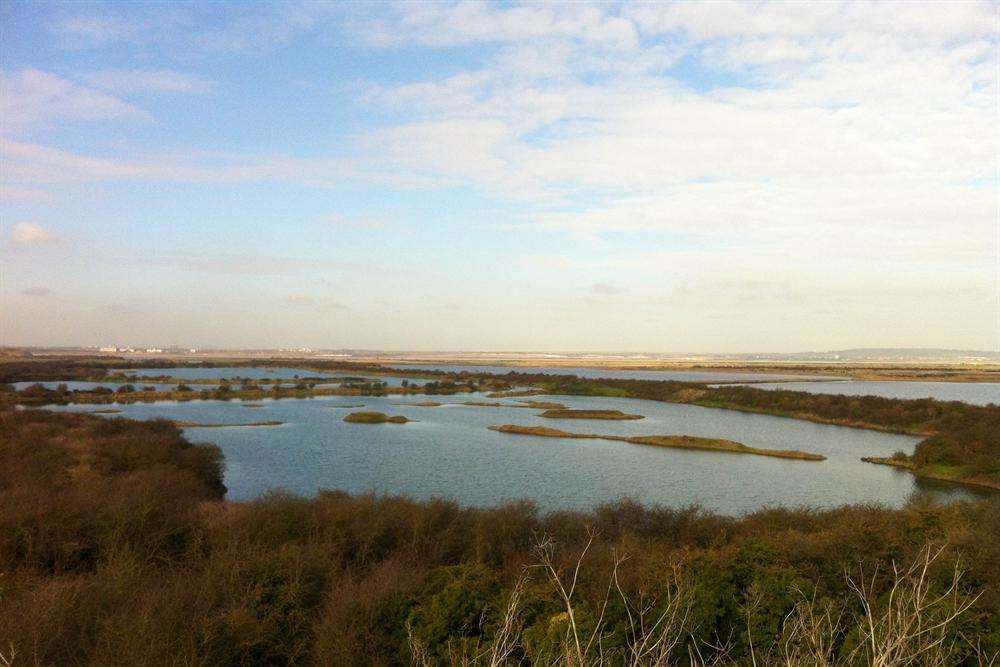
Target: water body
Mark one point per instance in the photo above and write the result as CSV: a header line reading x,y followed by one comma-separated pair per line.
x,y
290,375
449,452
976,393
618,374
200,373
79,385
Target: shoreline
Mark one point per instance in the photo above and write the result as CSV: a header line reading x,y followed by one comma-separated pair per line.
x,y
927,474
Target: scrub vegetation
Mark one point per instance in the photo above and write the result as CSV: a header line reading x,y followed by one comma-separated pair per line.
x,y
117,548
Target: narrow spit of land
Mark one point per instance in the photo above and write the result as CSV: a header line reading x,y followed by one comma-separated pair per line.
x,y
672,441
536,405
588,414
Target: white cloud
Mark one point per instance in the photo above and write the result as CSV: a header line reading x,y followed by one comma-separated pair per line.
x,y
30,234
468,22
32,97
729,18
264,27
148,80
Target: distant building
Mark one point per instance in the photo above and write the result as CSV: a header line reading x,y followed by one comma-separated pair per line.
x,y
108,349
154,350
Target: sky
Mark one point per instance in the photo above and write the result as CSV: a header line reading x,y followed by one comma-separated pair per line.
x,y
659,177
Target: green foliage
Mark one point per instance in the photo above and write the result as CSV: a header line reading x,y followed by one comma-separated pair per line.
x,y
455,603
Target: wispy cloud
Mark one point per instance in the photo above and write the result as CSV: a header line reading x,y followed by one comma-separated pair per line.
x,y
263,28
83,32
37,292
30,234
33,97
450,24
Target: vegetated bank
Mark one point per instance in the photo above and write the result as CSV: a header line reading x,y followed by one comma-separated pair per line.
x,y
116,548
963,443
670,441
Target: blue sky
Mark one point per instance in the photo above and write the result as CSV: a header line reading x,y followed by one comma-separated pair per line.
x,y
615,176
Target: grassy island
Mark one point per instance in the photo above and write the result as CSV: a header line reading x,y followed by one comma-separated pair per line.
x,y
672,441
533,405
375,418
588,414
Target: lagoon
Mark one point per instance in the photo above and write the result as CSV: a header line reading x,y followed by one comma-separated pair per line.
x,y
449,451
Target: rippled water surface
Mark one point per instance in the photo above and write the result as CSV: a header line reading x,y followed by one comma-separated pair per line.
x,y
450,452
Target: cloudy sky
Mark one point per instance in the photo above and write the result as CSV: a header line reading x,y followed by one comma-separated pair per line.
x,y
687,176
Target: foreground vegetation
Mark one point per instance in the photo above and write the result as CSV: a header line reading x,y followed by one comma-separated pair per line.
x,y
116,548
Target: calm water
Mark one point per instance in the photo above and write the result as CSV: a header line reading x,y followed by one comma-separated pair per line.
x,y
977,393
450,452
199,373
684,376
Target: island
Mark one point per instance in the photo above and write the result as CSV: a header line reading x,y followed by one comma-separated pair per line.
x,y
375,418
672,441
588,414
